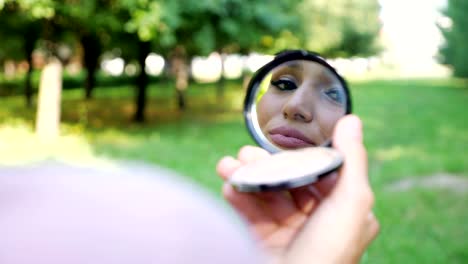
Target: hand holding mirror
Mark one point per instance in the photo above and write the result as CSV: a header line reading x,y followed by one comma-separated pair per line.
x,y
293,103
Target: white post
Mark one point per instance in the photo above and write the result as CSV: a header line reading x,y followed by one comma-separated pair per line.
x,y
48,107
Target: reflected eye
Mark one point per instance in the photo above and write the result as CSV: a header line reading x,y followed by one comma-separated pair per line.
x,y
284,84
335,95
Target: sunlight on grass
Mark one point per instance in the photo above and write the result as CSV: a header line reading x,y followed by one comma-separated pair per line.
x,y
453,132
400,152
19,145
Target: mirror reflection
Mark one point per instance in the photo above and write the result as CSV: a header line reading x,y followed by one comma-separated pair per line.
x,y
298,104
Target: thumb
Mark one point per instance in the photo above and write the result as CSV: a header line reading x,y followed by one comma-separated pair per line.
x,y
347,139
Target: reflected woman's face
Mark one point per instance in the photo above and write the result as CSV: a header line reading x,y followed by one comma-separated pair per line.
x,y
301,106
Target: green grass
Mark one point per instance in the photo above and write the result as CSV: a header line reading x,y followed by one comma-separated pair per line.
x,y
413,128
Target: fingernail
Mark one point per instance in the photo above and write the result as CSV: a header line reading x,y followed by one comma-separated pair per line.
x,y
308,206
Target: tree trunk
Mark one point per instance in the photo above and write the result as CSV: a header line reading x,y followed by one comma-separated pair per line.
x,y
28,93
180,71
220,88
30,39
142,81
90,83
91,50
181,86
180,99
48,107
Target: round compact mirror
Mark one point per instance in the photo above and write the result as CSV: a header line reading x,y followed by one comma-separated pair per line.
x,y
294,102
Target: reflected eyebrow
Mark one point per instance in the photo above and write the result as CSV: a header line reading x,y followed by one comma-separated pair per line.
x,y
293,66
328,77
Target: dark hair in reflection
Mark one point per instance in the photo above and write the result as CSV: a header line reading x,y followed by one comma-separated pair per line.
x,y
286,52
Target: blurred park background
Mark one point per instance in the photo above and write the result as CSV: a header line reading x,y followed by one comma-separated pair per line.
x,y
95,81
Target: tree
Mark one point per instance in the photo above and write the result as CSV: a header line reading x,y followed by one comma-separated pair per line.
x,y
142,25
182,29
225,26
20,32
454,52
90,22
235,26
341,28
50,88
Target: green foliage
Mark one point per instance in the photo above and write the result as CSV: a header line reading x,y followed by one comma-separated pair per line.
x,y
88,16
454,51
35,8
144,17
204,26
19,28
24,24
341,28
334,28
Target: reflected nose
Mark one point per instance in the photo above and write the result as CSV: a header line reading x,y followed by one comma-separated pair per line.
x,y
299,107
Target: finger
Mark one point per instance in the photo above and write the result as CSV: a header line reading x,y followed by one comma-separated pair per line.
x,y
370,230
348,140
227,166
305,198
325,185
249,206
282,208
279,240
373,227
249,154
308,197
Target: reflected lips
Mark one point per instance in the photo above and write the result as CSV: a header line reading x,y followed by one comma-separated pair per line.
x,y
289,138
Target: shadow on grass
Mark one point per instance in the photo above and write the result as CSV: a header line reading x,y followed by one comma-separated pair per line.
x,y
116,107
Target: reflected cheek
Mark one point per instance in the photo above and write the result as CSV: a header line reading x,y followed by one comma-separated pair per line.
x,y
268,107
327,120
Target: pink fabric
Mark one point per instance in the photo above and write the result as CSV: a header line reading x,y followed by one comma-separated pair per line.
x,y
55,213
